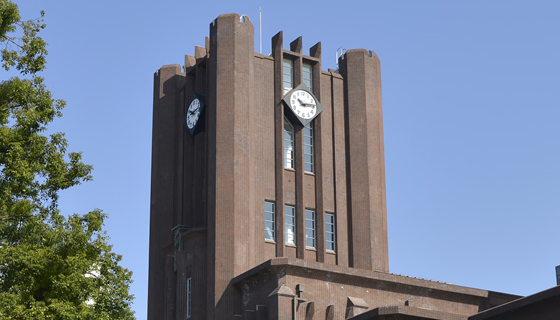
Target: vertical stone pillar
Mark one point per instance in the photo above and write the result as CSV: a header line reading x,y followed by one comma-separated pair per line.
x,y
277,42
366,161
315,52
339,162
231,236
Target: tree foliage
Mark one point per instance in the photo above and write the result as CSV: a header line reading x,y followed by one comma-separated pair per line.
x,y
51,266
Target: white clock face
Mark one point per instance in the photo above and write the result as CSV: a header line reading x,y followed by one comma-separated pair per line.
x,y
303,104
193,113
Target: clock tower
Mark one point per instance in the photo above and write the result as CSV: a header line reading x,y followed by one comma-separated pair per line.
x,y
268,184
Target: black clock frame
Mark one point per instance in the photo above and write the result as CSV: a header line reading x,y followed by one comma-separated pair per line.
x,y
199,125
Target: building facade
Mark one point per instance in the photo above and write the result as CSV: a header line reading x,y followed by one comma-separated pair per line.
x,y
268,190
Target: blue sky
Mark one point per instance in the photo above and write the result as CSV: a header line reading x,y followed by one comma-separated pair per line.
x,y
471,120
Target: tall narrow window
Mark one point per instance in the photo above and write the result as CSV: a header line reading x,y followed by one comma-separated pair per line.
x,y
307,75
288,74
310,228
330,232
189,298
269,221
288,144
290,219
308,148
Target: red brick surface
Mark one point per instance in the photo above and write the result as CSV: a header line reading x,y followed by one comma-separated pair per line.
x,y
214,184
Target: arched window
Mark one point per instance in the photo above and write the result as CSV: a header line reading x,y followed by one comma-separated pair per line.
x,y
288,144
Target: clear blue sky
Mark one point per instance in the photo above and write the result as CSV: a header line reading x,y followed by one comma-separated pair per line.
x,y
471,120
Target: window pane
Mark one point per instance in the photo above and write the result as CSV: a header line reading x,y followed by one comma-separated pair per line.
x,y
189,297
290,224
269,216
310,228
269,221
288,144
307,75
269,230
309,241
289,219
330,232
308,147
288,78
269,206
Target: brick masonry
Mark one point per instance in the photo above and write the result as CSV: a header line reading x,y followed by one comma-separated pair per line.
x,y
211,187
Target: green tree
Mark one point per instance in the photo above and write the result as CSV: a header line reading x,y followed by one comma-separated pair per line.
x,y
51,266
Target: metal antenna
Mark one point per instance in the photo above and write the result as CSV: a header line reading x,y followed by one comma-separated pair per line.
x,y
260,29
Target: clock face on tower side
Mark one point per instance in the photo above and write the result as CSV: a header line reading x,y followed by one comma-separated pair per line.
x,y
193,113
193,118
303,105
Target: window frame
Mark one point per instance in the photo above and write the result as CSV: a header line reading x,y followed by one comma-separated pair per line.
x,y
188,289
330,220
290,214
307,69
271,223
289,137
310,229
308,148
287,77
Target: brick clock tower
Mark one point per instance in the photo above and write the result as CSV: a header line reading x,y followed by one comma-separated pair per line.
x,y
268,188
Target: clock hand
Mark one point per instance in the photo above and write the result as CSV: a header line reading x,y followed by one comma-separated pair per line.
x,y
305,103
193,111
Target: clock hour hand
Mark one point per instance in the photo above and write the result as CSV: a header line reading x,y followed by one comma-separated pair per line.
x,y
305,103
